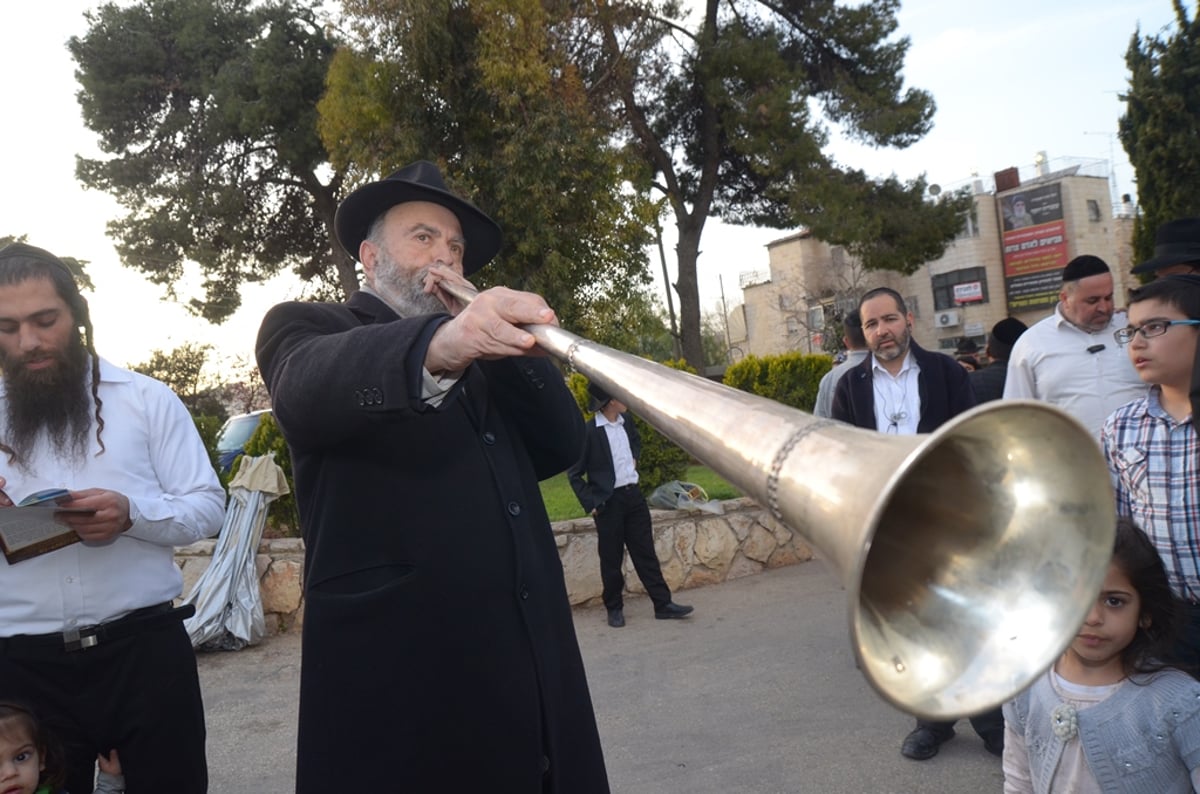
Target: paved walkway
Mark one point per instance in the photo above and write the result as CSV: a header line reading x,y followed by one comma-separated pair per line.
x,y
756,694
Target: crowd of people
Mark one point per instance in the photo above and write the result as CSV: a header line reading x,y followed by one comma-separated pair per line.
x,y
1120,710
439,650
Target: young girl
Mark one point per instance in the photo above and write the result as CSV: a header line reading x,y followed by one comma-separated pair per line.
x,y
31,762
1108,717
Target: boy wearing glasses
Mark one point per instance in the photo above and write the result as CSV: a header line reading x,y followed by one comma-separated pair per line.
x,y
1151,443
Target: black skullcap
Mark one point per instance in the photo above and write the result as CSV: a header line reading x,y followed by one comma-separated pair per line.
x,y
1084,266
1008,330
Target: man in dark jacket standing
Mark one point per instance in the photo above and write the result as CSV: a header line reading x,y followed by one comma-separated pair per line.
x,y
988,382
901,389
438,650
611,496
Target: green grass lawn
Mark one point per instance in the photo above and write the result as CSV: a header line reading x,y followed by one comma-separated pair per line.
x,y
561,503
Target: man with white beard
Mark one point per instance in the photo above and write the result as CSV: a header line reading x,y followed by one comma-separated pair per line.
x,y
88,634
438,651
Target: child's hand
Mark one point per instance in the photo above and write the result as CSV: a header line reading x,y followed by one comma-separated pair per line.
x,y
109,764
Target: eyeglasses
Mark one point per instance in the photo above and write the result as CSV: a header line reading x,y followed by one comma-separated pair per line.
x,y
1149,330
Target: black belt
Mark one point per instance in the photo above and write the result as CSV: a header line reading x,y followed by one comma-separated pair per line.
x,y
85,637
630,487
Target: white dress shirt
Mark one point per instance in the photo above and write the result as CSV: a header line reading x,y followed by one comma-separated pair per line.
x,y
624,466
154,456
898,397
1051,362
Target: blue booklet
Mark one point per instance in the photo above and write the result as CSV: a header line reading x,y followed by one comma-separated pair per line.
x,y
29,527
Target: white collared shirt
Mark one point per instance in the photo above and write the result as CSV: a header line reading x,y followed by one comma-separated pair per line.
x,y
1051,362
897,398
154,456
618,441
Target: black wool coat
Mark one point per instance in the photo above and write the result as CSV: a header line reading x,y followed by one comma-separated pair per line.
x,y
439,652
942,383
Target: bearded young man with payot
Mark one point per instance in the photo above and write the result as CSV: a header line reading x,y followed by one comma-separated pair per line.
x,y
88,632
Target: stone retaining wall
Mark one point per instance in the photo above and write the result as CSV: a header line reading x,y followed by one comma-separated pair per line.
x,y
695,548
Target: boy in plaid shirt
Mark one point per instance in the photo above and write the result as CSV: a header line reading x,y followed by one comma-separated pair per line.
x,y
1151,443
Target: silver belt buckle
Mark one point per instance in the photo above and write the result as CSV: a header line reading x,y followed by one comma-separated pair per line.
x,y
73,641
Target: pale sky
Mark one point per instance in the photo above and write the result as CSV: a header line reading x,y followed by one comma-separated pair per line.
x,y
1010,79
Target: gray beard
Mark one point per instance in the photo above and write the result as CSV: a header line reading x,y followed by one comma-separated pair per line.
x,y
56,403
404,291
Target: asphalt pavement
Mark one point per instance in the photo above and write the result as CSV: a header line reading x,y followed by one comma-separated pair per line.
x,y
757,693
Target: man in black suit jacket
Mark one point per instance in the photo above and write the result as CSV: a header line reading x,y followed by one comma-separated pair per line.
x,y
611,495
439,650
902,388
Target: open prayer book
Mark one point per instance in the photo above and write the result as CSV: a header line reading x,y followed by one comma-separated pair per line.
x,y
28,529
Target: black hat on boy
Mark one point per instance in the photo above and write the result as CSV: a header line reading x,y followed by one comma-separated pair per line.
x,y
599,397
420,181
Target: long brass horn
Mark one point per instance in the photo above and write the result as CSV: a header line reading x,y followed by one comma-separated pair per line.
x,y
970,555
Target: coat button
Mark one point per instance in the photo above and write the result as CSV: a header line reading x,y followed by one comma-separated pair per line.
x,y
524,594
545,764
378,396
489,437
514,509
358,396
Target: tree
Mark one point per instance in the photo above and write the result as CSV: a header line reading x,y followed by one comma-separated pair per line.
x,y
722,119
243,390
208,108
183,371
76,266
1160,125
487,89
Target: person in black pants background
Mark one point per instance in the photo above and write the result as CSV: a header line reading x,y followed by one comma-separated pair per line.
x,y
605,482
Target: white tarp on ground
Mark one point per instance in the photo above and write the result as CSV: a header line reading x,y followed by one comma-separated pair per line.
x,y
229,613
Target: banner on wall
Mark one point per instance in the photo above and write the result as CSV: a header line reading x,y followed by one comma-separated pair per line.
x,y
1035,246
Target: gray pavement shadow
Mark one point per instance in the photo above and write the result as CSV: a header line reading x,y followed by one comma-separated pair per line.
x,y
757,693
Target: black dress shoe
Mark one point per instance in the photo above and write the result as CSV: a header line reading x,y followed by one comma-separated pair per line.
x,y
616,618
923,743
672,610
994,743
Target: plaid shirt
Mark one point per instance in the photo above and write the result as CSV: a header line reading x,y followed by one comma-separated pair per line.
x,y
1155,466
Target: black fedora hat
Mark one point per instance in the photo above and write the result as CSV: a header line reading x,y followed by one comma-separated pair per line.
x,y
420,181
1175,243
600,397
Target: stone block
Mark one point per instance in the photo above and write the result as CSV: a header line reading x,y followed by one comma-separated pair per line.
x,y
581,568
742,566
715,544
740,523
685,542
193,568
261,563
760,544
281,587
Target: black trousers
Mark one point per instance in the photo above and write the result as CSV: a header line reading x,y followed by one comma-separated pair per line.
x,y
139,694
985,724
624,522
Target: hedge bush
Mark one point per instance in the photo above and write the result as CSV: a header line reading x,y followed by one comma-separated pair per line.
x,y
790,378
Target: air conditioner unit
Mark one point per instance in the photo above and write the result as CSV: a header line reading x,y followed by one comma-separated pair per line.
x,y
946,319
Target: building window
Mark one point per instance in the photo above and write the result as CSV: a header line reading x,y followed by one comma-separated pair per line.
x,y
816,318
913,305
960,287
1093,210
793,326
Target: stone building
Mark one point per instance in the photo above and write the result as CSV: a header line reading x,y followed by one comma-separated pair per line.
x,y
1007,261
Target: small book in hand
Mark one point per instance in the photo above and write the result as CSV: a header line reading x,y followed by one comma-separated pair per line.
x,y
29,528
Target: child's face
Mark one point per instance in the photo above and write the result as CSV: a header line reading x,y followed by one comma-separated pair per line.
x,y
1166,359
1109,628
21,764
